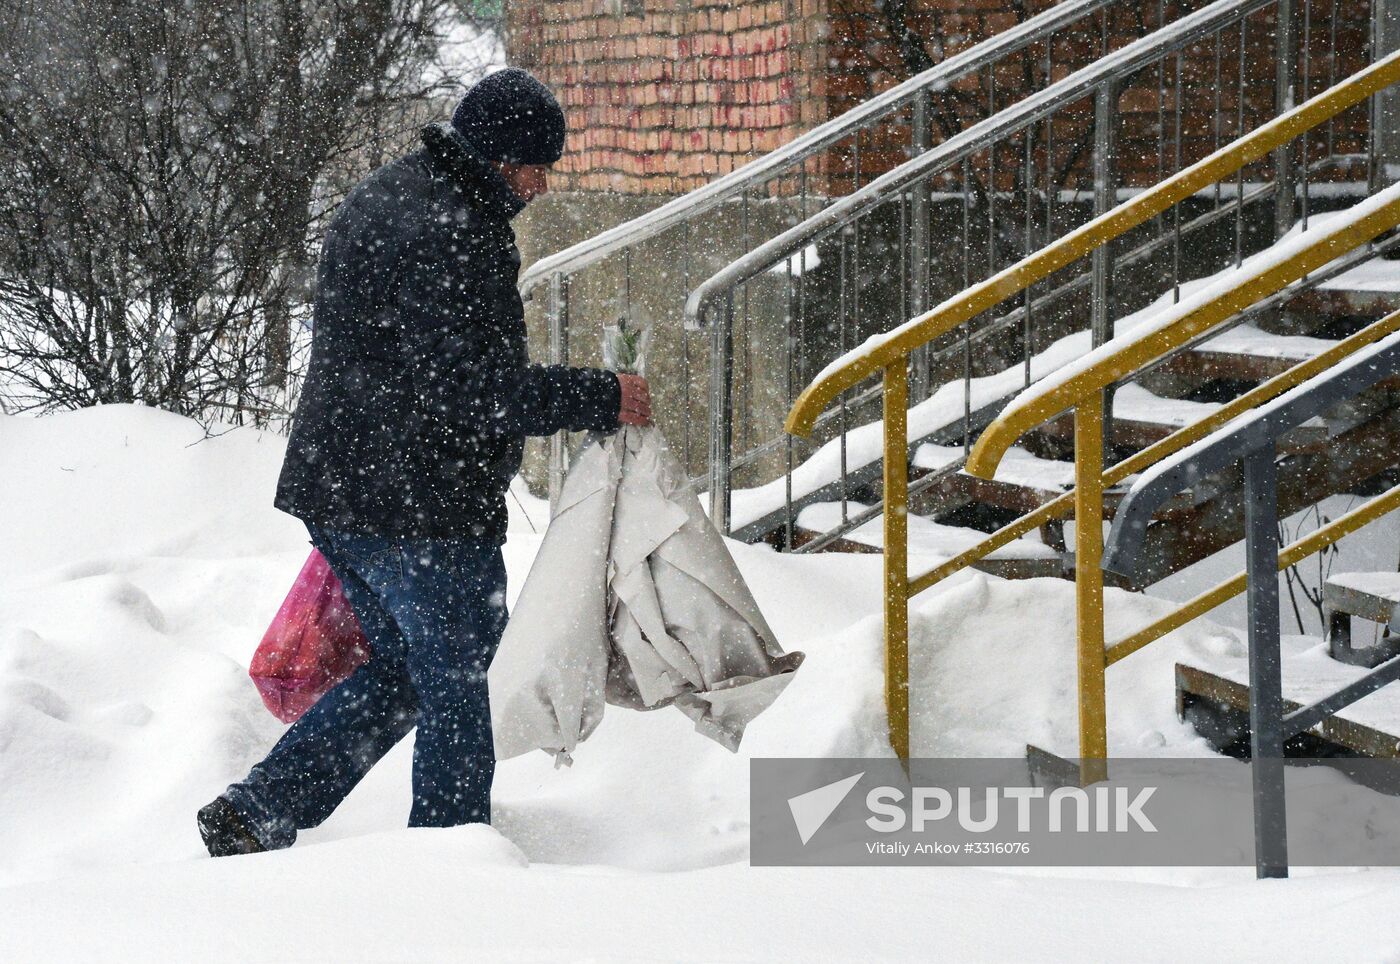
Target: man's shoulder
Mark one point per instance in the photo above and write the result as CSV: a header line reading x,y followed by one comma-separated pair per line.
x,y
405,205
393,189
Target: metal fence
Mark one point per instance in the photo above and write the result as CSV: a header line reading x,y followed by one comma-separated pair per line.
x,y
1004,187
738,212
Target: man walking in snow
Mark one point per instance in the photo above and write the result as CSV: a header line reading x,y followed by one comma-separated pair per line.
x,y
410,427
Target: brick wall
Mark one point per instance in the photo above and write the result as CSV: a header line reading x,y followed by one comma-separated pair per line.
x,y
664,95
865,60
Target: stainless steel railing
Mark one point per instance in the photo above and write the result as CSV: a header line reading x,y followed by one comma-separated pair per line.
x,y
821,138
1011,186
789,173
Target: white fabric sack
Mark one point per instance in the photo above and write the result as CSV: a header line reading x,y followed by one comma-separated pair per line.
x,y
633,600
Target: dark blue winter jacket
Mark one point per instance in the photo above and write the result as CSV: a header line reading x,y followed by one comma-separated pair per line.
x,y
420,393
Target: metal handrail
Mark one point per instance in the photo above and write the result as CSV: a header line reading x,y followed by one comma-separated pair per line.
x,y
1107,69
813,142
712,302
1085,500
1112,362
891,353
1062,506
1253,441
854,367
1084,390
1015,317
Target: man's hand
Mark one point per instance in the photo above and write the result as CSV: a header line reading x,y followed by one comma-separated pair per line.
x,y
636,400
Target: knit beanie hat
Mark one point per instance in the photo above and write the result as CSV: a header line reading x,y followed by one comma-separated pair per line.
x,y
510,116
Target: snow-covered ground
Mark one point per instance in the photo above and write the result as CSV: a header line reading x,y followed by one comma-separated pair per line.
x,y
1067,355
141,562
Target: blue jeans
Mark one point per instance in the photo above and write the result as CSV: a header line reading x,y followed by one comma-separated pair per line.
x,y
433,611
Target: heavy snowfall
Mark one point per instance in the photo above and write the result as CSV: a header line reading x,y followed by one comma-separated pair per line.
x,y
172,175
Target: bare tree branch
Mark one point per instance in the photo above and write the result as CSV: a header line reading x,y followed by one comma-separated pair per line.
x,y
165,171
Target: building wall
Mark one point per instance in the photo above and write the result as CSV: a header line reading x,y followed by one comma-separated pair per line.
x,y
864,60
664,95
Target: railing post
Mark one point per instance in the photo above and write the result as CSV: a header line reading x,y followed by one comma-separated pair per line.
x,y
558,316
1088,586
721,413
1265,679
1285,97
918,241
896,498
1105,199
1385,106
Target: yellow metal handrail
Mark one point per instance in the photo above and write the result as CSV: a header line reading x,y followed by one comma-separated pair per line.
x,y
1119,358
895,347
890,355
1062,506
1084,391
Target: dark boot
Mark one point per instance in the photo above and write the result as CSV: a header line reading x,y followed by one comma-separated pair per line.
x,y
224,831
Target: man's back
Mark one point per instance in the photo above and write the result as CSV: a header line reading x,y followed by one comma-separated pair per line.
x,y
360,457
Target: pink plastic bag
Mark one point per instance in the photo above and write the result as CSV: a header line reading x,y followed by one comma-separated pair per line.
x,y
314,643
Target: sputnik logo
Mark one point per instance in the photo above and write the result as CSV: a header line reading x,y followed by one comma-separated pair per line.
x,y
811,809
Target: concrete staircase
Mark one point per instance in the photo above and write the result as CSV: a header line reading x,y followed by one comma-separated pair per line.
x,y
1349,450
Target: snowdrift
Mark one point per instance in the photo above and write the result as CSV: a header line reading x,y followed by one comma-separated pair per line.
x,y
142,561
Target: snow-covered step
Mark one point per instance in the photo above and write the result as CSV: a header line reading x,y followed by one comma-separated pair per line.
x,y
1377,276
1023,482
1248,355
1133,403
1374,594
1023,558
1368,595
1369,290
1140,417
1245,353
1017,467
1214,696
1247,339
